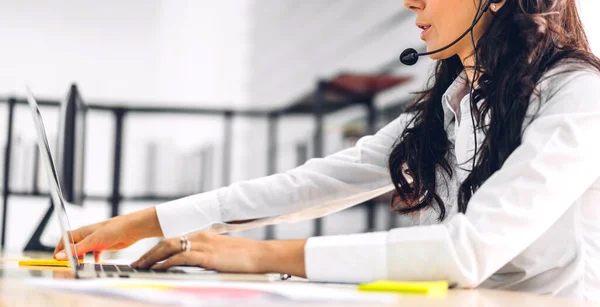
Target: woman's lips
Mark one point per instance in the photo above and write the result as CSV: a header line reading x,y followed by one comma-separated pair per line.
x,y
425,29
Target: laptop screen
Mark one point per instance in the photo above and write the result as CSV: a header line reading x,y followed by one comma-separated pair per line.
x,y
53,182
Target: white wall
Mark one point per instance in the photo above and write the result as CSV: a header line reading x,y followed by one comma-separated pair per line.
x,y
589,14
133,51
295,42
50,44
203,50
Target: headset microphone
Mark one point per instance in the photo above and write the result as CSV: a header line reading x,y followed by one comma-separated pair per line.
x,y
410,56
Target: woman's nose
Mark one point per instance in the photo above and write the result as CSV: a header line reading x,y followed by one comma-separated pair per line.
x,y
414,5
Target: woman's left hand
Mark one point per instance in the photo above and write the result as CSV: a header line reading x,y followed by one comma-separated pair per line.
x,y
227,254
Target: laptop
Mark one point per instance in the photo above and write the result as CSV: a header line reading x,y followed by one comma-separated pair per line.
x,y
94,270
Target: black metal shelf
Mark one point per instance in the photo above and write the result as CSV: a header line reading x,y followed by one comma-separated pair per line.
x,y
114,106
329,96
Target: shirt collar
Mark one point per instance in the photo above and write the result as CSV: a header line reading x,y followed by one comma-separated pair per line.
x,y
452,97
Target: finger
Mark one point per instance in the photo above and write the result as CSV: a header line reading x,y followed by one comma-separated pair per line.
x,y
97,256
200,241
77,236
183,258
88,244
160,251
60,246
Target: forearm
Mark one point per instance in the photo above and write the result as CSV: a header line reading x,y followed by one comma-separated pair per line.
x,y
143,223
286,257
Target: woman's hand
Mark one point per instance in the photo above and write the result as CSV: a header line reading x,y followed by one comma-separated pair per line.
x,y
114,234
228,254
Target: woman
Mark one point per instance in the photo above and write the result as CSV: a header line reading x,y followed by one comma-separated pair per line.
x,y
519,216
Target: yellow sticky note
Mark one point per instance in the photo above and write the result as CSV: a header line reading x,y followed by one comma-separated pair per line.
x,y
46,262
434,288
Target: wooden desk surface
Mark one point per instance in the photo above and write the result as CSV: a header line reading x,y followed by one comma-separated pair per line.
x,y
15,292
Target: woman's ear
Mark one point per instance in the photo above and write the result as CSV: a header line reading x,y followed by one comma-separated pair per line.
x,y
497,5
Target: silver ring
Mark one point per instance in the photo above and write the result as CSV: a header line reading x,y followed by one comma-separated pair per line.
x,y
188,245
184,242
284,276
183,245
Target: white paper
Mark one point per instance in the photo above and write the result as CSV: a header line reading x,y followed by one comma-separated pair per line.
x,y
200,293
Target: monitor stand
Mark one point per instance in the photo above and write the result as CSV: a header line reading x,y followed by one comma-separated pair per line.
x,y
35,243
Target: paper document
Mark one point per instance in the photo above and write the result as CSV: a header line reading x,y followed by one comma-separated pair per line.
x,y
205,292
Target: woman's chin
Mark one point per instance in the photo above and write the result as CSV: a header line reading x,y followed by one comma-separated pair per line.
x,y
440,55
448,53
436,56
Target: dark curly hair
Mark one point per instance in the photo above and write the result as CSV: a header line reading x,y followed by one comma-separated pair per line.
x,y
525,39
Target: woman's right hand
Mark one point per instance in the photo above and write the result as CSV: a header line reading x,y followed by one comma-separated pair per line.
x,y
113,234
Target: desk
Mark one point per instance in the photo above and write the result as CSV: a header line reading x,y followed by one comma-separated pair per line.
x,y
15,292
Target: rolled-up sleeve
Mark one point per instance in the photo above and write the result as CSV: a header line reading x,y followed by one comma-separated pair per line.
x,y
557,161
316,188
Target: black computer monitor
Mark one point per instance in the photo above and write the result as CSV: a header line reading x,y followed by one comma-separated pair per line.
x,y
71,146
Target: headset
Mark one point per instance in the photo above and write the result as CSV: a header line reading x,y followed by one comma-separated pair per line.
x,y
410,57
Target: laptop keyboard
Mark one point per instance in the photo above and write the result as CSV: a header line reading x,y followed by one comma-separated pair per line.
x,y
121,269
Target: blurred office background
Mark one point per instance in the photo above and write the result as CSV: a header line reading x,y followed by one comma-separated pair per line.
x,y
244,56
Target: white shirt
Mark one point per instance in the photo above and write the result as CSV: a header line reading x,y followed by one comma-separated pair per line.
x,y
532,226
